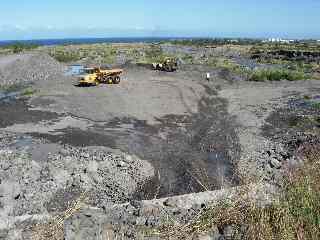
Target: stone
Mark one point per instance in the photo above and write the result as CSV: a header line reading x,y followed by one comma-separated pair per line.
x,y
275,163
3,234
141,221
64,152
229,232
128,159
169,202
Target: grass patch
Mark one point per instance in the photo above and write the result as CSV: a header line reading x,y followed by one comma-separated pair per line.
x,y
18,47
95,53
276,75
11,88
294,216
316,105
154,54
64,56
54,229
28,92
22,89
229,65
187,58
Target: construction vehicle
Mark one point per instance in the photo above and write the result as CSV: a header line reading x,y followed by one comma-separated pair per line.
x,y
168,64
93,76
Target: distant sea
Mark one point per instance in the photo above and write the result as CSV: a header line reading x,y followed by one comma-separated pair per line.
x,y
43,42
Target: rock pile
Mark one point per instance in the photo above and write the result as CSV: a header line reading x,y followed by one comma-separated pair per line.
x,y
27,68
39,185
286,155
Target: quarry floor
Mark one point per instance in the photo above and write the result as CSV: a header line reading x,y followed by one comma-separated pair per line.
x,y
185,134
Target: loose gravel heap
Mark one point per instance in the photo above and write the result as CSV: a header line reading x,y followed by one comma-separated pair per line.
x,y
32,183
27,68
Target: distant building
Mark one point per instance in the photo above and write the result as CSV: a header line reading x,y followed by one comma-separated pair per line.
x,y
280,40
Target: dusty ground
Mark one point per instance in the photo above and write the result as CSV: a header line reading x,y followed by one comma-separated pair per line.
x,y
154,135
174,120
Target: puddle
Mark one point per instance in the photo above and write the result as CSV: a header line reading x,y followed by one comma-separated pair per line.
x,y
316,99
40,152
8,96
78,138
22,142
17,112
51,126
74,70
304,103
220,166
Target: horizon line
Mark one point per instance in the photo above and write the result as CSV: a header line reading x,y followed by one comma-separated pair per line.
x,y
150,37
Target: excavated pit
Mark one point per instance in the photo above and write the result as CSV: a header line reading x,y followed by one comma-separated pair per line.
x,y
190,153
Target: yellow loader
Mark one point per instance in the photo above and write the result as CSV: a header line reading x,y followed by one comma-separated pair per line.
x,y
169,64
95,75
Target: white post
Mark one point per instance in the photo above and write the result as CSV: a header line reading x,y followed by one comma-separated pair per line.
x,y
208,76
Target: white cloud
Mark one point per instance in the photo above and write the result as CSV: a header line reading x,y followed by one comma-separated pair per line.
x,y
50,27
20,27
138,28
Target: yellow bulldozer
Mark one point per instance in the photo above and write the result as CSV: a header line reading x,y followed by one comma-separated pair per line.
x,y
169,64
92,76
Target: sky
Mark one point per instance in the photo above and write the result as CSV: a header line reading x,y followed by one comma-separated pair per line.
x,y
38,19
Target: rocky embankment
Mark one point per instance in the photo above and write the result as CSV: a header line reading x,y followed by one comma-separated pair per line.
x,y
160,218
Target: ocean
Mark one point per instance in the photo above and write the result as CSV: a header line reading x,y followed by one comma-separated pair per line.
x,y
48,42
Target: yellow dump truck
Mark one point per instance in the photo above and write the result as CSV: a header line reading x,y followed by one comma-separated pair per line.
x,y
94,75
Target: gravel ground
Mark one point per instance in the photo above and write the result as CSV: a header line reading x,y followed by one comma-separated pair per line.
x,y
154,135
263,133
179,124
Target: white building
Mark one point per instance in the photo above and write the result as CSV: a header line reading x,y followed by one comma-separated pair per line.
x,y
280,40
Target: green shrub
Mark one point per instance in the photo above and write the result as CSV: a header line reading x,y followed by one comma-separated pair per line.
x,y
276,75
99,54
18,47
154,54
28,92
316,105
65,56
22,89
187,58
11,88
